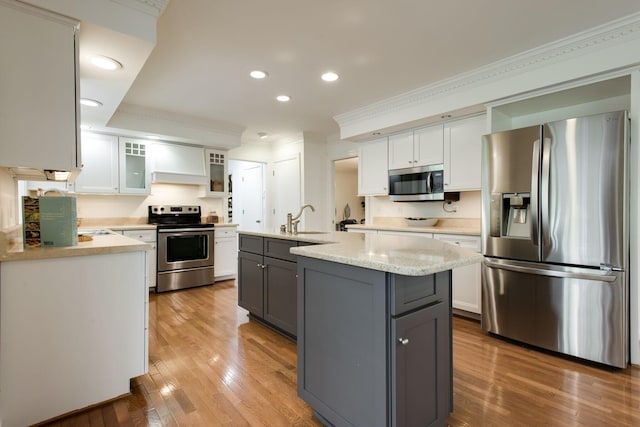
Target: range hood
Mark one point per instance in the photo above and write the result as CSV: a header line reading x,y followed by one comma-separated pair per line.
x,y
178,178
32,174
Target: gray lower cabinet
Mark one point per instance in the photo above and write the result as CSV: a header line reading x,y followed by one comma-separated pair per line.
x,y
250,287
267,285
280,293
374,348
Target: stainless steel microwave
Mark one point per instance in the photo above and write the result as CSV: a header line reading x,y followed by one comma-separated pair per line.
x,y
417,184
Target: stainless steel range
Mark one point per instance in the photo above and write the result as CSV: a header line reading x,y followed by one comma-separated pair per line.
x,y
185,247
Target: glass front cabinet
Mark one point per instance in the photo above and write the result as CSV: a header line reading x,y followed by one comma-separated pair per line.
x,y
217,185
135,176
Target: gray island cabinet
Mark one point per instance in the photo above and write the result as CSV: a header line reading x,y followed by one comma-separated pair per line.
x,y
267,281
374,330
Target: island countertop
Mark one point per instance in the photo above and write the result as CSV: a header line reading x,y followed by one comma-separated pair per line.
x,y
406,255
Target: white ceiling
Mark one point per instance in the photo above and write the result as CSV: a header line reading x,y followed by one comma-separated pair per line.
x,y
206,48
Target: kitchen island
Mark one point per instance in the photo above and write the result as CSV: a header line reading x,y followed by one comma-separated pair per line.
x,y
374,330
374,326
73,326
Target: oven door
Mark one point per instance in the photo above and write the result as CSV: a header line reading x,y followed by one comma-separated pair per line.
x,y
184,248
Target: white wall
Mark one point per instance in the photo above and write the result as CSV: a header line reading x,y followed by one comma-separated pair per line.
x,y
97,206
634,222
8,200
469,206
311,152
316,176
346,189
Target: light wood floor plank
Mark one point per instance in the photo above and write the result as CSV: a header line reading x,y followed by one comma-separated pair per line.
x,y
212,366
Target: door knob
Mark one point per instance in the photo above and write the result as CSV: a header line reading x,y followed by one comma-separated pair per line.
x,y
403,341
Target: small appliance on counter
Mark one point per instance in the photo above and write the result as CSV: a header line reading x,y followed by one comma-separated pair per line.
x,y
343,224
49,221
185,247
212,218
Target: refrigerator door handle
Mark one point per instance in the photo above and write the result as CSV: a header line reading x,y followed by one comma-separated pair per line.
x,y
551,273
544,191
535,170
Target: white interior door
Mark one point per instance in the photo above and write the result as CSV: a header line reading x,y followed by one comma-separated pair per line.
x,y
285,189
250,189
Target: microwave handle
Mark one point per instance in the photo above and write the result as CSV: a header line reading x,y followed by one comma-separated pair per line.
x,y
429,183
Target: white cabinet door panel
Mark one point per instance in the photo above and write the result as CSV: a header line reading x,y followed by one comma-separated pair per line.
x,y
373,171
99,164
428,145
463,146
466,281
38,89
401,151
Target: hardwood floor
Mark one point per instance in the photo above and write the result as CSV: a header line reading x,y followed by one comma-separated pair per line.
x,y
210,366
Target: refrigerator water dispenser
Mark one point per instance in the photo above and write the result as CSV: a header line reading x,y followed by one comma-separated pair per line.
x,y
511,215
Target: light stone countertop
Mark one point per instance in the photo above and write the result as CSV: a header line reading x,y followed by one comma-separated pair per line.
x,y
407,255
12,250
102,244
465,226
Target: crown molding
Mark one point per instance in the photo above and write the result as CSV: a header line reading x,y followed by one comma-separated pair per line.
x,y
590,41
150,7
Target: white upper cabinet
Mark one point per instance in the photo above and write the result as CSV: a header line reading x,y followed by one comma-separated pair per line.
x,y
401,151
134,162
218,185
462,153
373,172
38,89
99,164
420,147
428,145
113,165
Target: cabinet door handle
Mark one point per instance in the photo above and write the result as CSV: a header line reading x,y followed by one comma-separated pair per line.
x,y
403,341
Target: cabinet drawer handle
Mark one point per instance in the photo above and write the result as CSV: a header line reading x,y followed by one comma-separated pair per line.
x,y
403,341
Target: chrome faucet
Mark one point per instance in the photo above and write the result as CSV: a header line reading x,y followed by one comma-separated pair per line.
x,y
293,220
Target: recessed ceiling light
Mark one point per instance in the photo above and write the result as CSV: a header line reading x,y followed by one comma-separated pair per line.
x,y
105,62
330,76
90,102
258,74
283,98
263,135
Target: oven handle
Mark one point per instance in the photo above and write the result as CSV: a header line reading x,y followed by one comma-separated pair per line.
x,y
180,230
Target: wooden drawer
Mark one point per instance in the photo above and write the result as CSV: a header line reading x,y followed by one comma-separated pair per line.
x,y
252,244
144,235
411,292
279,248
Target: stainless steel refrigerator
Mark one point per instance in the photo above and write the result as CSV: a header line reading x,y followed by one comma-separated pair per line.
x,y
555,239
